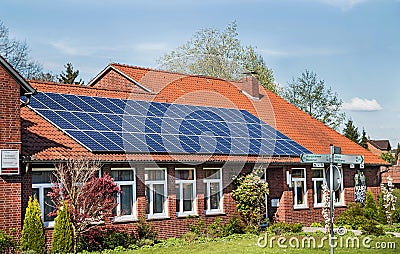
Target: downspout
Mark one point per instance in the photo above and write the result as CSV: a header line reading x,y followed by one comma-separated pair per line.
x,y
28,99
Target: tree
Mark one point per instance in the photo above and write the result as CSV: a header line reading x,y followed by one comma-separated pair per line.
x,y
370,209
364,139
32,236
388,157
17,54
351,132
69,76
89,197
310,95
218,54
250,195
62,241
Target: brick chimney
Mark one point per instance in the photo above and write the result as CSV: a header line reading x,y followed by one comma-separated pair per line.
x,y
250,85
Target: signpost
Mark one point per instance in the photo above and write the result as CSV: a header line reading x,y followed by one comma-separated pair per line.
x,y
334,156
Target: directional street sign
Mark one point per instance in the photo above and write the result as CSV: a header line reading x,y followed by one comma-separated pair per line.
x,y
348,159
311,158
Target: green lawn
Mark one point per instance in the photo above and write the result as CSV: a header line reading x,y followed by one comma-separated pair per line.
x,y
248,244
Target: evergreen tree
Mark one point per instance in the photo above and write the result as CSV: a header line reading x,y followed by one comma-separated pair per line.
x,y
364,139
351,132
370,209
396,156
62,241
69,76
32,236
381,211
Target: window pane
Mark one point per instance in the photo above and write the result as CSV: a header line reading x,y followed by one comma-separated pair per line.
x,y
48,206
153,175
319,194
317,173
297,173
158,201
148,193
215,196
184,174
126,199
212,173
42,176
187,197
300,192
178,199
338,197
122,175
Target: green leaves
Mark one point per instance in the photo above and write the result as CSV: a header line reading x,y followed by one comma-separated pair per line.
x,y
250,197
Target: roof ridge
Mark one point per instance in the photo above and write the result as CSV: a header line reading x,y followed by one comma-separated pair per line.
x,y
171,72
84,87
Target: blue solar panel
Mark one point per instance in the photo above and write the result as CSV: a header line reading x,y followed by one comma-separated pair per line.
x,y
116,125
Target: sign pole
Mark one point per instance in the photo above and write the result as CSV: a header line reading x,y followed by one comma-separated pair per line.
x,y
331,196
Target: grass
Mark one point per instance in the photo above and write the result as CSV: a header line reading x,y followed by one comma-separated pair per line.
x,y
248,244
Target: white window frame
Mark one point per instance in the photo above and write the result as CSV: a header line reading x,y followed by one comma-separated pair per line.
x,y
180,182
132,183
41,187
294,184
315,180
150,183
207,199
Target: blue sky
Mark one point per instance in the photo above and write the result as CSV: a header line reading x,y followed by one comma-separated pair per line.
x,y
353,45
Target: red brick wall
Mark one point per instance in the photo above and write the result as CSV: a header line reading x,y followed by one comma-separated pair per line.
x,y
114,81
287,213
10,138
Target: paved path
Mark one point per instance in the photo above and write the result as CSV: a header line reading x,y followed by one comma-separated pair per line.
x,y
356,232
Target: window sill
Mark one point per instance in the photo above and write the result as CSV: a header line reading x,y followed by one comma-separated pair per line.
x,y
186,215
157,217
214,213
122,219
300,207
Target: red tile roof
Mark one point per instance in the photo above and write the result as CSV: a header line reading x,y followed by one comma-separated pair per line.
x,y
45,142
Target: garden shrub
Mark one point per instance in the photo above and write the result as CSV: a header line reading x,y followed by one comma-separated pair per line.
x,y
370,209
145,230
114,239
372,228
32,236
62,241
396,212
8,244
198,228
316,224
381,211
233,226
280,228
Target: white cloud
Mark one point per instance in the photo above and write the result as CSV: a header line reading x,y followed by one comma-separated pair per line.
x,y
344,4
358,104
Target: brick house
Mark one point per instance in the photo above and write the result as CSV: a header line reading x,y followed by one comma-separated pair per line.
x,y
169,183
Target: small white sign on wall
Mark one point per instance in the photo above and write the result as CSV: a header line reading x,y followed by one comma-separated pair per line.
x,y
9,161
275,202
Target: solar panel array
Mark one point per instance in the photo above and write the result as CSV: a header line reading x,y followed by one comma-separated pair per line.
x,y
117,125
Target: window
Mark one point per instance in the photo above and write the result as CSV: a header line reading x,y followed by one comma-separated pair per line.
x,y
299,187
156,192
213,190
185,186
318,179
41,186
126,200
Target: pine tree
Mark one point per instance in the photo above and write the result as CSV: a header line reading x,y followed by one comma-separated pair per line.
x,y
351,132
381,211
69,76
32,236
62,241
364,139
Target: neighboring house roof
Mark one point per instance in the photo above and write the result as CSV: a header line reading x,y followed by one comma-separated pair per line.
x,y
46,142
25,87
383,145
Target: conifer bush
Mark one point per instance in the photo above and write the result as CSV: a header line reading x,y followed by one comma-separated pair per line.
x,y
62,241
370,210
32,236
